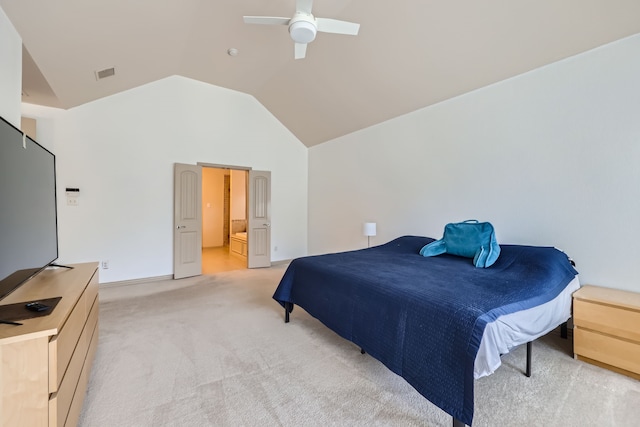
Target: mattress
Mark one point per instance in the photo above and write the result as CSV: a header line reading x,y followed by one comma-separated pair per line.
x,y
514,329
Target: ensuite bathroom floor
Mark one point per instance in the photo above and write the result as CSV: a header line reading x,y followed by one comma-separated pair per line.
x,y
216,260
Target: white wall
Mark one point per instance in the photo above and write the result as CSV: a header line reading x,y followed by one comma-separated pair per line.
x,y
120,150
551,158
10,71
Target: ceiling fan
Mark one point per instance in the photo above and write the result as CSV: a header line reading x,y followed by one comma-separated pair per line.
x,y
303,26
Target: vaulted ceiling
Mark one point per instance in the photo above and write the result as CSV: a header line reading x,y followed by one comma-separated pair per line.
x,y
408,54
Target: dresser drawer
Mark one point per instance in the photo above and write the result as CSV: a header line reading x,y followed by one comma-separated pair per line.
x,y
24,383
607,349
81,390
91,293
61,401
62,346
621,322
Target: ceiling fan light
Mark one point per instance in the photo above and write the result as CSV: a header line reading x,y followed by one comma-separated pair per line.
x,y
302,31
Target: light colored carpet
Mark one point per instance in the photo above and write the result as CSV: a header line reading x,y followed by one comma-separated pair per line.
x,y
214,351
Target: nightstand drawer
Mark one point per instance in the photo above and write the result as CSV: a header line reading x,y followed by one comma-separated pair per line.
x,y
621,322
606,349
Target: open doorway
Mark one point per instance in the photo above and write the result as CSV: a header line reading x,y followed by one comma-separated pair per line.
x,y
224,219
188,223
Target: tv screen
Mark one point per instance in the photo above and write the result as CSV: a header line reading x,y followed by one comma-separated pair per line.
x,y
28,220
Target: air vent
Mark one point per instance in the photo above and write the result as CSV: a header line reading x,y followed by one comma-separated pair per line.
x,y
107,72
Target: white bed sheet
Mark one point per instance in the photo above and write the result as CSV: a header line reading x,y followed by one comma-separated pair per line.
x,y
512,330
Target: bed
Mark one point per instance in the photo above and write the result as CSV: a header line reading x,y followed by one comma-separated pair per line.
x,y
438,322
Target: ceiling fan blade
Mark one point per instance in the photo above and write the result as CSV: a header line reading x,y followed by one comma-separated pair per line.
x,y
304,6
327,25
267,20
300,50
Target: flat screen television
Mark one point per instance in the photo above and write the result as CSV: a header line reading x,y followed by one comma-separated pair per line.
x,y
28,216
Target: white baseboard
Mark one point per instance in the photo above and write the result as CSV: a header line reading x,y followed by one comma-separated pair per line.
x,y
136,281
166,277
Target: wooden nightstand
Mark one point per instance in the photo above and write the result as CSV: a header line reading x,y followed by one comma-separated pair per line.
x,y
607,329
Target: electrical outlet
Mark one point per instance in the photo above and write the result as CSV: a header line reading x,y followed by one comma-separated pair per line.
x,y
72,201
105,265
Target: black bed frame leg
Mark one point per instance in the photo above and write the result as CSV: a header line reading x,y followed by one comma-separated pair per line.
x,y
287,310
563,330
458,423
529,346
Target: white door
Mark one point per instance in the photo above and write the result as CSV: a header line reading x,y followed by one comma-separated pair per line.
x,y
187,220
259,227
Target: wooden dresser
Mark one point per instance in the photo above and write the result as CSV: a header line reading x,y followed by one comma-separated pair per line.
x,y
607,329
45,363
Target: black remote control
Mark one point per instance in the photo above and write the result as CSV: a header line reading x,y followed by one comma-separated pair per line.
x,y
36,306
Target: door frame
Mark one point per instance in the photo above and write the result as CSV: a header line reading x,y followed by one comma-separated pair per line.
x,y
248,191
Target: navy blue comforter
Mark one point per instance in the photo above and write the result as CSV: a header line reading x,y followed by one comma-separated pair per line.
x,y
423,317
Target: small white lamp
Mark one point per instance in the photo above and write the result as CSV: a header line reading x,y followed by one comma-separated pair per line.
x,y
369,229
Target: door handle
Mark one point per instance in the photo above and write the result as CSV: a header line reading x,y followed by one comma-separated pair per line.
x,y
267,224
180,226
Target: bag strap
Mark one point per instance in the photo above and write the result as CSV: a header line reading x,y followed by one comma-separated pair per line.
x,y
475,221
